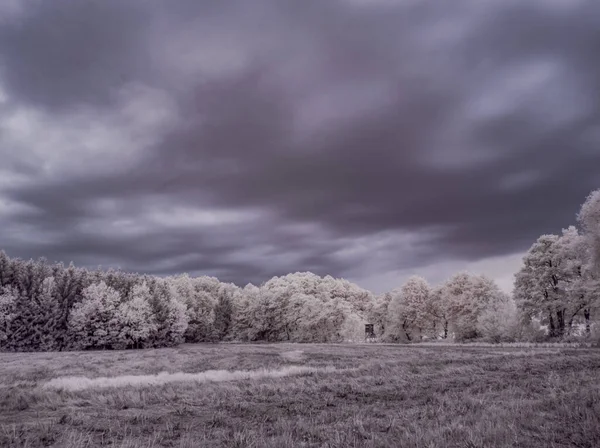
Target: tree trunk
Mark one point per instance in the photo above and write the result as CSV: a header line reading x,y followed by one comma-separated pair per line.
x,y
552,330
560,317
586,314
445,329
404,327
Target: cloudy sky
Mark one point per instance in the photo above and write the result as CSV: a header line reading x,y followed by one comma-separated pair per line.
x,y
369,139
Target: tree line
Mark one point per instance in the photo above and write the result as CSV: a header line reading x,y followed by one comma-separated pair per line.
x,y
45,306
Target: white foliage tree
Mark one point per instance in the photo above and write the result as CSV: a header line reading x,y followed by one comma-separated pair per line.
x,y
589,218
8,298
331,321
199,301
556,284
169,313
397,324
269,319
408,317
352,328
241,318
94,321
499,321
578,278
304,306
311,319
378,313
439,311
325,288
224,311
136,320
464,298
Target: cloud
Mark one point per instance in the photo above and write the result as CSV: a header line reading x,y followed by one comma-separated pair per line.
x,y
501,268
359,139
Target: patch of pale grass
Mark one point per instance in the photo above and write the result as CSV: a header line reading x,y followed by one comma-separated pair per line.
x,y
293,356
528,352
508,344
78,383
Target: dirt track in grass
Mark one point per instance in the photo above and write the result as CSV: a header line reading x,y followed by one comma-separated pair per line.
x,y
389,396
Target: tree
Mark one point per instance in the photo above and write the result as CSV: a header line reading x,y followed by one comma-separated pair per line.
x,y
589,218
538,283
268,315
408,317
48,316
199,306
439,309
241,318
499,321
331,321
169,315
464,297
398,326
556,283
69,284
29,329
135,318
6,270
7,312
223,311
577,276
378,313
94,321
352,328
326,288
416,295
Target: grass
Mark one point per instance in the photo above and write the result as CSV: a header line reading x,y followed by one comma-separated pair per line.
x,y
366,395
78,383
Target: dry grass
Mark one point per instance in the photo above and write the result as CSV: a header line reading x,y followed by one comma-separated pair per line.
x,y
378,396
77,383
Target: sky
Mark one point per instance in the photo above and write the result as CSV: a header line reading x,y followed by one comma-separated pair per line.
x,y
365,139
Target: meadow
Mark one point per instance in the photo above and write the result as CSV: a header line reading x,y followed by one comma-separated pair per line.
x,y
304,395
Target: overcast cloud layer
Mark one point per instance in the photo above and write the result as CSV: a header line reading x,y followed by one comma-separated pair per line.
x,y
360,138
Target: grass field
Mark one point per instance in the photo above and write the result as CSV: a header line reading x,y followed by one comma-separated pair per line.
x,y
342,396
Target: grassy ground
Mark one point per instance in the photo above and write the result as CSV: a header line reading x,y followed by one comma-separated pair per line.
x,y
380,396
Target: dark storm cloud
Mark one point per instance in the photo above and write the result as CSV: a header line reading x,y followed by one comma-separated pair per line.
x,y
64,52
345,137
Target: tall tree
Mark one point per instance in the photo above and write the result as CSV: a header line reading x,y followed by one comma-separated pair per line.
x,y
94,322
555,283
589,218
408,318
169,314
8,299
6,270
223,311
199,304
464,297
136,321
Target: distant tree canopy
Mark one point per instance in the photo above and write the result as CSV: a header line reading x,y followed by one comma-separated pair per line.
x,y
47,306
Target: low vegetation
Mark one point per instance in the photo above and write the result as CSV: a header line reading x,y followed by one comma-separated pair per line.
x,y
377,396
